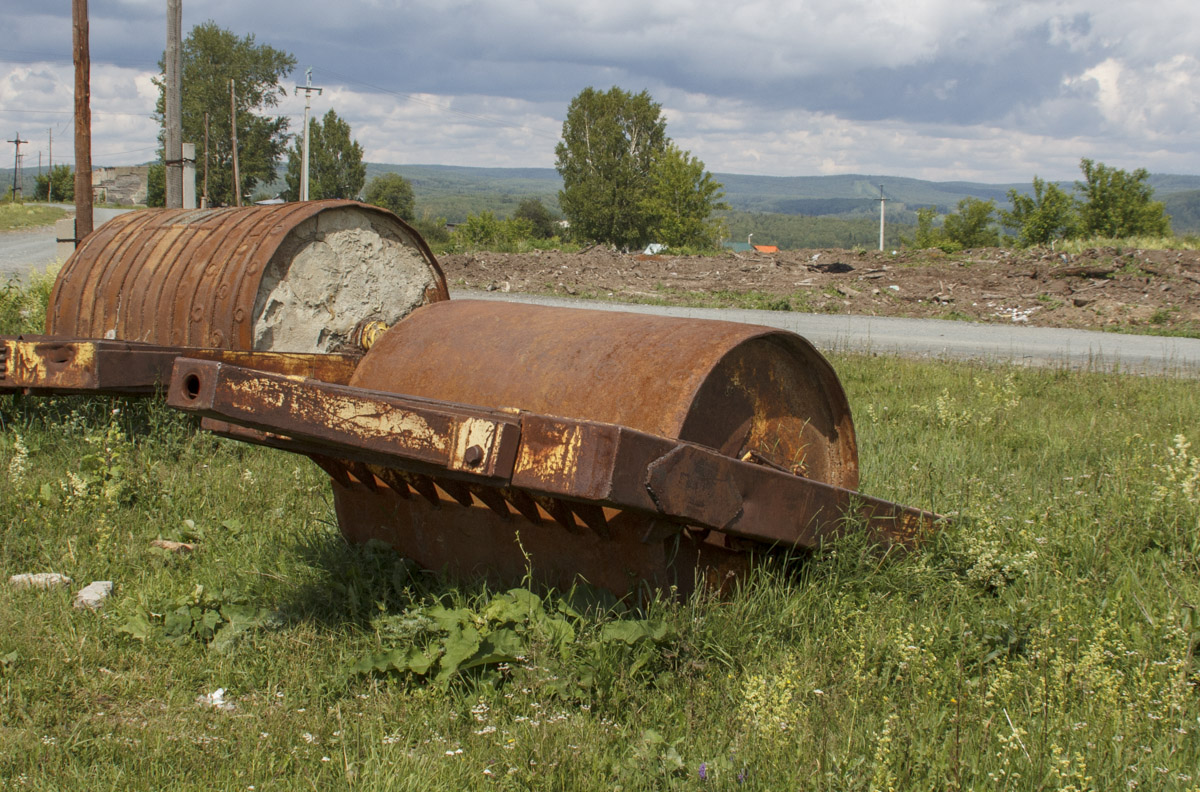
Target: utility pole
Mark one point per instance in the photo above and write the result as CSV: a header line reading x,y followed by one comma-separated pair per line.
x,y
50,167
173,153
308,92
237,180
204,195
882,211
16,188
83,120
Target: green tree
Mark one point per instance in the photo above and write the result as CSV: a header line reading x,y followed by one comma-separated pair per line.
x,y
212,57
62,179
485,231
393,192
926,235
624,182
156,186
1115,204
541,220
1043,217
432,228
970,226
681,200
335,162
610,141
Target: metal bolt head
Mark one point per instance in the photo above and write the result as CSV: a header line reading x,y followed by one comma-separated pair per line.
x,y
473,456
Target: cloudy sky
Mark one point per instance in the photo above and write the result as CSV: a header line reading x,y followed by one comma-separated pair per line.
x,y
980,90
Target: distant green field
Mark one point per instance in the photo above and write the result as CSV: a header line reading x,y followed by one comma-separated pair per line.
x,y
14,217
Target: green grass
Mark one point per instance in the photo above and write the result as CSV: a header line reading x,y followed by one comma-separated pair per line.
x,y
1043,639
1126,244
23,305
18,216
799,300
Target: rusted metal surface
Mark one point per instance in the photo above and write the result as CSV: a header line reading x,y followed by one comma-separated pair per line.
x,y
567,467
189,278
733,387
476,543
457,440
49,364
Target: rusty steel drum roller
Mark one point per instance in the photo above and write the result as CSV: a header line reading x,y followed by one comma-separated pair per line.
x,y
746,391
738,388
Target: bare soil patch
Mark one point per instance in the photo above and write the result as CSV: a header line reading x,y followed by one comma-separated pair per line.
x,y
1149,291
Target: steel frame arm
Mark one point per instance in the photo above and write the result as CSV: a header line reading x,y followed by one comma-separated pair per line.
x,y
575,460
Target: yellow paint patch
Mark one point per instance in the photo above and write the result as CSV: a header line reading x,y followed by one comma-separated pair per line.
x,y
30,363
553,460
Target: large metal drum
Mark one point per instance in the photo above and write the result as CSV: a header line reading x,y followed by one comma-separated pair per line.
x,y
750,392
741,389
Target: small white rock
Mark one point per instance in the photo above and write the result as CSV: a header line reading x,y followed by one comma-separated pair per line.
x,y
93,595
38,580
216,700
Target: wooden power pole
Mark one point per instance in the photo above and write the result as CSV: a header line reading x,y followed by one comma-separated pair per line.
x,y
16,187
173,107
237,180
83,120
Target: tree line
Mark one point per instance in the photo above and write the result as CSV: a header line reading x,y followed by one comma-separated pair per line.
x,y
1109,203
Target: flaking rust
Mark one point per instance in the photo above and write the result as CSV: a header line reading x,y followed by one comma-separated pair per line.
x,y
486,439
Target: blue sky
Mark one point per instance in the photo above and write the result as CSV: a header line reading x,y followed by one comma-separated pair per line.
x,y
980,90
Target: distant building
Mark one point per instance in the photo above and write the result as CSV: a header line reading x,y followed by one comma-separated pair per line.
x,y
123,186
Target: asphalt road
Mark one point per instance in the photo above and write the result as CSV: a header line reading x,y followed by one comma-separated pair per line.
x,y
24,251
941,339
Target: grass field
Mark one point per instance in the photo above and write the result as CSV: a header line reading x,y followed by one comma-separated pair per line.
x,y
19,216
1044,639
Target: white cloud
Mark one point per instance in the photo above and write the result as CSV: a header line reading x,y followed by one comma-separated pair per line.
x,y
993,90
38,100
1159,101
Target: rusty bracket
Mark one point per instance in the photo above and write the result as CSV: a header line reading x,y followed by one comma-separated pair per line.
x,y
618,466
584,462
49,364
375,427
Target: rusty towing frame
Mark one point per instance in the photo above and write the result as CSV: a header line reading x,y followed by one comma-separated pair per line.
x,y
478,437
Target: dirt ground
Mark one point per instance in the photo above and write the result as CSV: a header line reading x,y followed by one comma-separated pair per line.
x,y
1154,291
